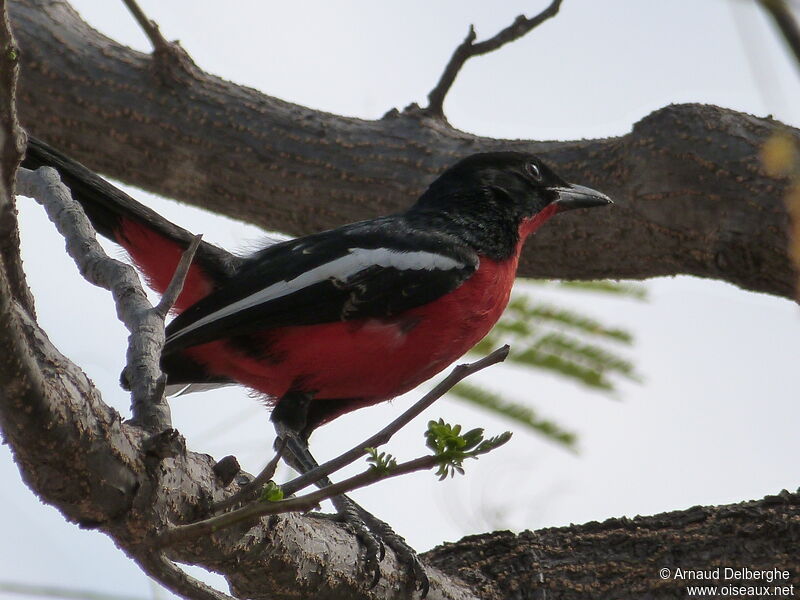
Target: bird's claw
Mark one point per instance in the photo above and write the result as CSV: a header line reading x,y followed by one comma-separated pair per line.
x,y
373,545
423,584
405,554
374,535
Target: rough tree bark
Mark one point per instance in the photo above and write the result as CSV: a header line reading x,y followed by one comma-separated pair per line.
x,y
692,199
691,195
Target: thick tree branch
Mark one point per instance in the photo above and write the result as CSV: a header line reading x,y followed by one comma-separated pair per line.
x,y
12,141
691,195
145,324
468,48
176,580
623,558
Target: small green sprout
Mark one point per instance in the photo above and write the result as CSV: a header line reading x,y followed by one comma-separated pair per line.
x,y
452,447
272,492
380,461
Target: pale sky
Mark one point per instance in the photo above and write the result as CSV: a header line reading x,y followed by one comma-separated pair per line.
x,y
715,420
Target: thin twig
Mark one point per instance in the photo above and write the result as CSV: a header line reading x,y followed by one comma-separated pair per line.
x,y
175,286
171,62
149,26
385,434
786,23
467,49
251,490
175,579
304,503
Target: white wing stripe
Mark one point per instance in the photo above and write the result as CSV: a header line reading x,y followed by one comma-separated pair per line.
x,y
356,260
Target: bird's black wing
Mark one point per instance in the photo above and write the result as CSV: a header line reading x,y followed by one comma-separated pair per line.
x,y
373,269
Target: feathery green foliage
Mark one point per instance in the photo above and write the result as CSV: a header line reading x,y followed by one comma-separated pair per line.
x,y
513,410
453,447
559,340
633,290
382,462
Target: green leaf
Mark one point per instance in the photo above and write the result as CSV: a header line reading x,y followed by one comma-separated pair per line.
x,y
451,447
590,355
559,340
521,308
590,377
519,413
636,291
381,462
514,327
272,492
487,344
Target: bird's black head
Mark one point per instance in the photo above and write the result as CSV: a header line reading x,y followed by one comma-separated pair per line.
x,y
494,200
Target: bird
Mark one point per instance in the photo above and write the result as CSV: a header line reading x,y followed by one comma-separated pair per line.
x,y
337,320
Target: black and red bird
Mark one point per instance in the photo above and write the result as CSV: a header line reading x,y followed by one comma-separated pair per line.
x,y
330,322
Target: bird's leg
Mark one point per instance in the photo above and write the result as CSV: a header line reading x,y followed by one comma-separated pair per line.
x,y
289,418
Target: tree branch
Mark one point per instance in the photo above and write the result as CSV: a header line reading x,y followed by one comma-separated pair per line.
x,y
786,24
467,49
691,196
149,26
623,558
175,286
11,146
305,503
175,579
250,491
172,62
145,324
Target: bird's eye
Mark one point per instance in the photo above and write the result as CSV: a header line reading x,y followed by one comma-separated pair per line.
x,y
534,171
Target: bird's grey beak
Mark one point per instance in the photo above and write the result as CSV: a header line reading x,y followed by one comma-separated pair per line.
x,y
577,196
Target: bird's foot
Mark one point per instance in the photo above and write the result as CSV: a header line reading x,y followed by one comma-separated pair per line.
x,y
405,554
374,535
349,513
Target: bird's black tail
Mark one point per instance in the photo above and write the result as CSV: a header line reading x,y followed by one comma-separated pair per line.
x,y
153,242
105,205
